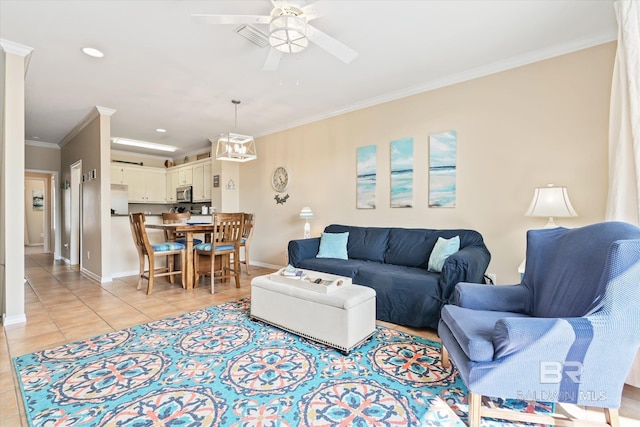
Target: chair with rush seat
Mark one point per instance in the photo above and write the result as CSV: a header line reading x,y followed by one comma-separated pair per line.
x,y
567,333
148,252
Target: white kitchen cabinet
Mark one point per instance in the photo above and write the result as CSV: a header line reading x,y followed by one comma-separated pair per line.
x,y
117,174
198,183
185,175
208,181
146,185
155,186
202,181
172,184
134,178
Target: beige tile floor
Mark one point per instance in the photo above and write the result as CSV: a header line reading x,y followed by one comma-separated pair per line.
x,y
62,306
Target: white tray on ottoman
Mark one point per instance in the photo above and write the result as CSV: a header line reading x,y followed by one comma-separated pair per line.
x,y
342,319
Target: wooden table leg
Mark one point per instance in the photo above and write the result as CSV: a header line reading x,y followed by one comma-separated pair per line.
x,y
188,268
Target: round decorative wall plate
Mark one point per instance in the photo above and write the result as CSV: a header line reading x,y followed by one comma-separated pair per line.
x,y
280,179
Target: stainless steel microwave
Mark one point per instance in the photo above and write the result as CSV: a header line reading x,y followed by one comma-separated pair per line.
x,y
184,194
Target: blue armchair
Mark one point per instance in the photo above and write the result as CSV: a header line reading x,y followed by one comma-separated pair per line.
x,y
567,333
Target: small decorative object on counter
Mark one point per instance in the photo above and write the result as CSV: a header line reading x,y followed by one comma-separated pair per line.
x,y
205,210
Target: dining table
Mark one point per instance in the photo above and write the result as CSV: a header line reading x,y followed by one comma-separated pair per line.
x,y
187,229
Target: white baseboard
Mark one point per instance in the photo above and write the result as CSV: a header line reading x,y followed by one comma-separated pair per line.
x,y
14,319
91,275
265,265
125,273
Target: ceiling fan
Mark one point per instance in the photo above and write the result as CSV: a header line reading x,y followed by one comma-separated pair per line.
x,y
289,30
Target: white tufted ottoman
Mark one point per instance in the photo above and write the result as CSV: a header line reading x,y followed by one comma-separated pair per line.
x,y
342,319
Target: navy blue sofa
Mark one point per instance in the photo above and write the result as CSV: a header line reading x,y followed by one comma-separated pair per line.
x,y
393,261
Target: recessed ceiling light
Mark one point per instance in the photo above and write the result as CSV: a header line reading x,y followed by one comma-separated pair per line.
x,y
91,51
161,130
143,144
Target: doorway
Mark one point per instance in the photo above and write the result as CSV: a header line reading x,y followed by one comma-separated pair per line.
x,y
40,228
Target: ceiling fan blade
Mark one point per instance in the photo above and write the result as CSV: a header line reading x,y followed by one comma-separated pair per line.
x,y
317,9
231,19
273,60
331,45
278,3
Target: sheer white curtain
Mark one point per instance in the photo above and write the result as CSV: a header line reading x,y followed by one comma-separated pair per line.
x,y
623,203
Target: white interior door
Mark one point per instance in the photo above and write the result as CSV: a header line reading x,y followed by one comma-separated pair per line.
x,y
74,238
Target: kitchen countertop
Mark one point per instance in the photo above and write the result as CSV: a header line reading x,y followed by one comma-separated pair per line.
x,y
153,214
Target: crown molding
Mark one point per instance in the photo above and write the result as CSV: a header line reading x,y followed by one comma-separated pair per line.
x,y
105,111
15,48
42,144
496,67
95,112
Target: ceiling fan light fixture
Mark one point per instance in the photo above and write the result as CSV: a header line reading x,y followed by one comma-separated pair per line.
x,y
288,33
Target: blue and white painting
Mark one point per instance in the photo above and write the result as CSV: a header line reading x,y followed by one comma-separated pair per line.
x,y
442,169
402,173
367,172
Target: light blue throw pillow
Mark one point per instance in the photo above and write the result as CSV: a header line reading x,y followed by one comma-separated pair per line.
x,y
333,245
441,251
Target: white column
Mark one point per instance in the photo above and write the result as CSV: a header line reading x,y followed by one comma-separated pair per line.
x,y
14,65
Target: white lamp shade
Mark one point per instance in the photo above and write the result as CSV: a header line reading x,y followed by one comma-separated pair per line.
x,y
551,202
306,213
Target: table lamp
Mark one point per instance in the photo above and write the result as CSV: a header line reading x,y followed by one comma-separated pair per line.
x,y
306,213
552,202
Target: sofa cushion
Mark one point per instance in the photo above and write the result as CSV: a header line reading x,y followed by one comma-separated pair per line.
x,y
366,243
409,247
346,267
443,249
473,329
333,245
467,237
404,295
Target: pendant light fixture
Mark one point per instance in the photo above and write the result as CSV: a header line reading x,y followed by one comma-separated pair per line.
x,y
234,147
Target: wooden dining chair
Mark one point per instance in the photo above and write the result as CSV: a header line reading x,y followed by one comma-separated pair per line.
x,y
245,242
176,218
148,251
213,258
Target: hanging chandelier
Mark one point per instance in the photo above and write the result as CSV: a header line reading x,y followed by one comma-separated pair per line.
x,y
234,147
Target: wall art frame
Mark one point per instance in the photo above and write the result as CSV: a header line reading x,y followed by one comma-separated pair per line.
x,y
443,169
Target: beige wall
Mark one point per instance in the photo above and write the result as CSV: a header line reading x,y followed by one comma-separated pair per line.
x,y
42,158
89,142
519,129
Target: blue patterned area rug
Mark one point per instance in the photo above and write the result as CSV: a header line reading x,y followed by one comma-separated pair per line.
x,y
215,367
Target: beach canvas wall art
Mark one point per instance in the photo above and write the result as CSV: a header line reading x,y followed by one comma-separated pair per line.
x,y
38,200
442,169
367,173
402,173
